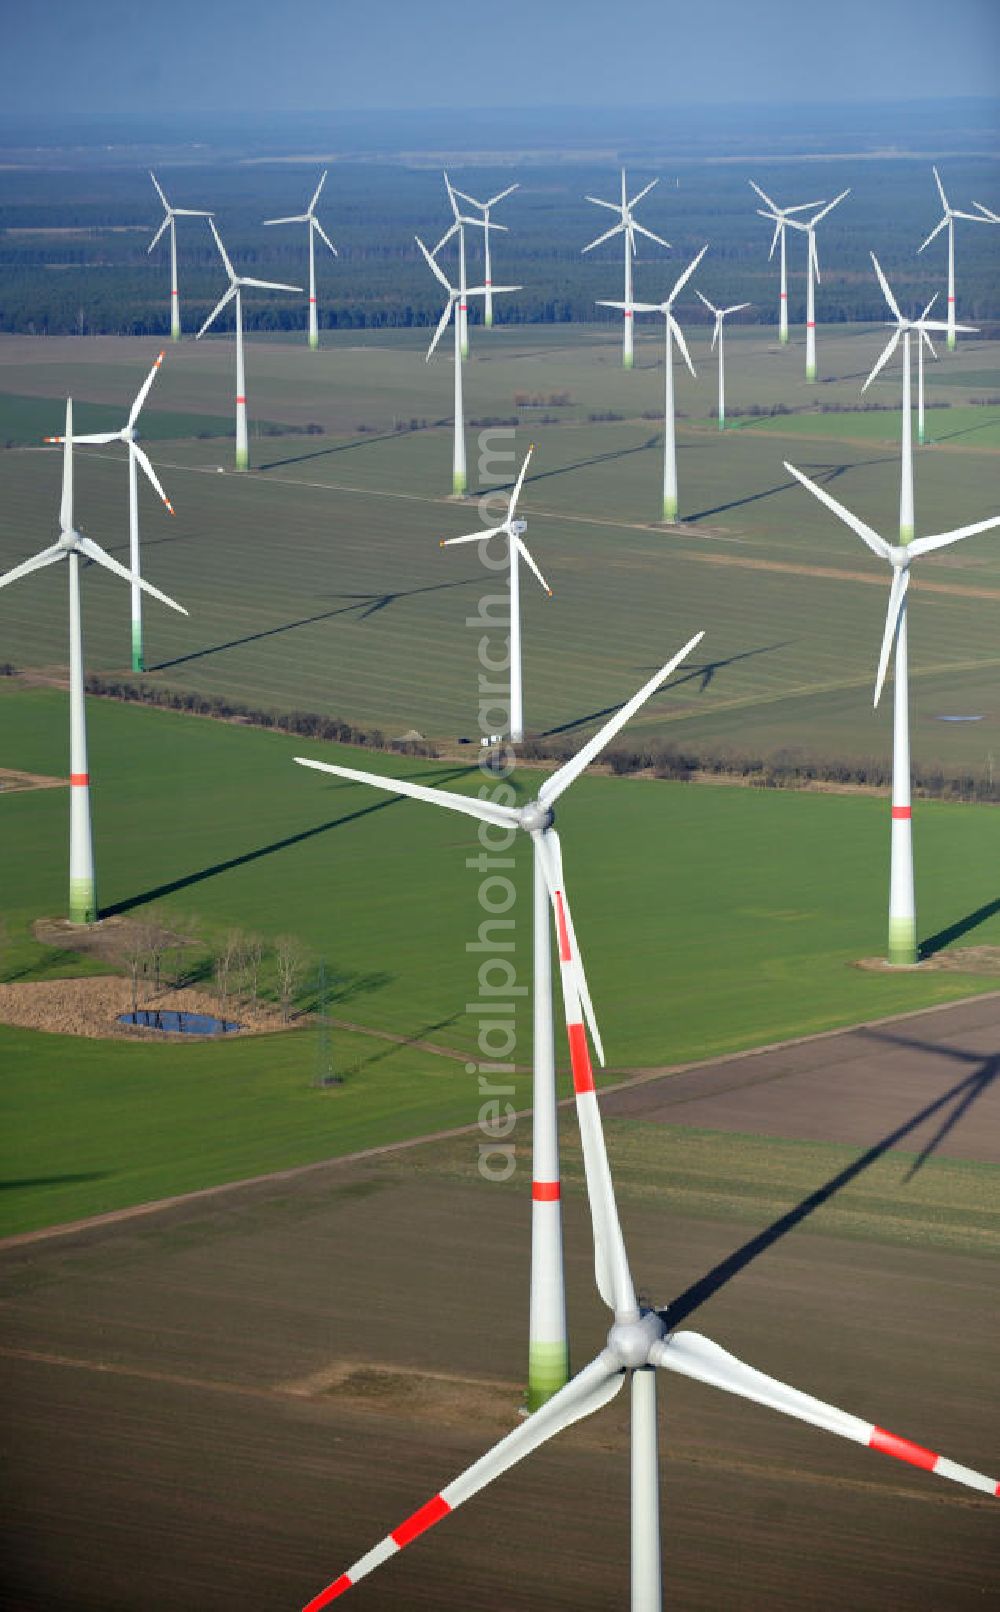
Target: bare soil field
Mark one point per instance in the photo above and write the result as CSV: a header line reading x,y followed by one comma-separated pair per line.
x,y
853,1086
225,1404
11,779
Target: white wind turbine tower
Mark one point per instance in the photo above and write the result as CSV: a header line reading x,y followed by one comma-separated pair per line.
x,y
813,277
236,284
628,228
315,228
456,295
136,457
948,221
487,226
513,530
639,1341
169,214
902,904
904,328
548,1351
672,329
71,545
780,217
718,335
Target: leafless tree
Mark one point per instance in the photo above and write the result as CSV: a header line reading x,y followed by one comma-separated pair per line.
x,y
227,963
253,953
290,958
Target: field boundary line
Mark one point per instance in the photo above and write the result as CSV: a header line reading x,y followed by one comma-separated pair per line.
x,y
633,1077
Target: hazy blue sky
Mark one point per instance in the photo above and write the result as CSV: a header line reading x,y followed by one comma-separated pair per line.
x,y
197,55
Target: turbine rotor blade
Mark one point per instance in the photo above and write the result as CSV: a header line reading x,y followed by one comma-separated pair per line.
x,y
222,251
616,229
877,544
644,192
442,324
150,474
778,226
473,537
557,782
897,593
587,1392
159,232
47,557
267,285
522,549
227,297
295,218
143,392
886,290
884,357
66,500
829,207
515,495
93,551
763,195
935,231
324,237
159,191
581,977
683,279
509,192
639,229
682,344
316,192
435,267
926,545
692,1355
486,810
937,181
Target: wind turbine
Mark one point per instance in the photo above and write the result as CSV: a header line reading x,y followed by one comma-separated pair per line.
x,y
902,906
457,227
487,226
548,1353
456,295
136,457
71,545
236,285
780,217
170,213
902,332
627,227
813,277
638,1344
718,335
948,220
315,228
672,329
513,530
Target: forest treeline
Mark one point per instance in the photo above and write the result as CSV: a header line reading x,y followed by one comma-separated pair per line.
x,y
73,246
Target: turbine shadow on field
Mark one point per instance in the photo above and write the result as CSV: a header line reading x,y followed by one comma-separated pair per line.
x,y
821,473
399,1043
952,1106
580,464
440,775
373,603
338,447
961,926
705,672
19,1184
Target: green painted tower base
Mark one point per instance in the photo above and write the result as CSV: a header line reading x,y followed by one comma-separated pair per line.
x,y
548,1371
313,340
810,372
903,942
670,510
952,343
722,423
458,484
783,337
628,360
82,901
137,661
242,459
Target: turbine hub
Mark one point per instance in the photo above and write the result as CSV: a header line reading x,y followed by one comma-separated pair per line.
x,y
518,528
68,538
536,818
632,1340
899,558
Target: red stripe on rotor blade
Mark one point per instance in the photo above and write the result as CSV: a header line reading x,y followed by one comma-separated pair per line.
x,y
338,1587
583,1074
565,950
902,814
421,1520
546,1191
902,1449
80,780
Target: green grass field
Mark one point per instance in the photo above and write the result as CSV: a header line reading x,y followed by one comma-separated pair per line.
x,y
711,919
317,582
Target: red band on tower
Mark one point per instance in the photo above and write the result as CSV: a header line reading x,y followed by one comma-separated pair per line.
x,y
546,1191
901,814
79,780
242,400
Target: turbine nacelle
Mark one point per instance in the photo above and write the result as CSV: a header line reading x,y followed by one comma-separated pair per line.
x,y
535,817
633,1336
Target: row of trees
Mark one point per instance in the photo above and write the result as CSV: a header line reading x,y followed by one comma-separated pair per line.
x,y
249,975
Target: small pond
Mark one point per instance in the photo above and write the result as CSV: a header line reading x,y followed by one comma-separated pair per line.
x,y
178,1022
